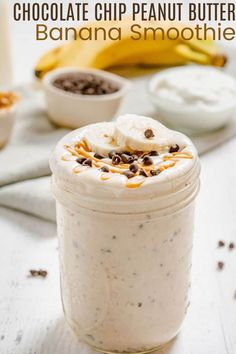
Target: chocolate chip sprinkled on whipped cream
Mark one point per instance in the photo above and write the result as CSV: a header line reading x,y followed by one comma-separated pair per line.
x,y
149,134
105,169
135,147
133,167
127,158
153,153
129,174
87,162
147,161
155,172
116,159
99,156
174,148
81,160
142,172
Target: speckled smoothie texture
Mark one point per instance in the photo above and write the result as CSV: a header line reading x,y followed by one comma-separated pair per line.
x,y
125,255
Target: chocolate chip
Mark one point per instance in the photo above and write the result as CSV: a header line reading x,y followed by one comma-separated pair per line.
x,y
139,304
149,133
174,148
127,153
80,160
33,272
38,273
128,174
153,153
127,158
231,246
135,157
43,273
220,265
142,172
133,167
84,84
105,169
116,159
111,154
155,172
221,243
147,161
98,156
87,162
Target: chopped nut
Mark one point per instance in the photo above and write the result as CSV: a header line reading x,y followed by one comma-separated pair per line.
x,y
7,99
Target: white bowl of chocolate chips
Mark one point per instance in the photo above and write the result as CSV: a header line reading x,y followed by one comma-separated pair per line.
x,y
77,97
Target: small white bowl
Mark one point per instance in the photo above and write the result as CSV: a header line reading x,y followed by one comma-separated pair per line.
x,y
73,110
190,114
7,119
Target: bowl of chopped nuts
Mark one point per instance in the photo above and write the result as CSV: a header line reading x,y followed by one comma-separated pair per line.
x,y
7,115
77,97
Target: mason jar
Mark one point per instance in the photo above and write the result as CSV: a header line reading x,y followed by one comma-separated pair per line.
x,y
125,256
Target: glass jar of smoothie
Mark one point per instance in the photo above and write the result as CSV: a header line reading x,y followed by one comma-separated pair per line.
x,y
125,193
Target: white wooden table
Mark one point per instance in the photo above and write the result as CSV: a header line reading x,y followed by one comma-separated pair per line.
x,y
31,320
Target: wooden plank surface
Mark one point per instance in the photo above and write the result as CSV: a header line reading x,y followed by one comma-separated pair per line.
x,y
31,320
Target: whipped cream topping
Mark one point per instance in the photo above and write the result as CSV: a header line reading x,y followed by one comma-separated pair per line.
x,y
83,162
196,87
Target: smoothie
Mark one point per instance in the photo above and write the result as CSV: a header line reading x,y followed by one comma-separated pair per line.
x,y
125,194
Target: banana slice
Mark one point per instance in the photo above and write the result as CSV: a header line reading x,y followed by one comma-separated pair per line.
x,y
130,131
100,138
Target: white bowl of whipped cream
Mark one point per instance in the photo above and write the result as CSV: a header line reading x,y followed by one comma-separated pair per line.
x,y
193,99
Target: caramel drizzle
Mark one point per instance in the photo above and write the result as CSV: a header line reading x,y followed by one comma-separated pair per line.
x,y
135,184
177,156
81,150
